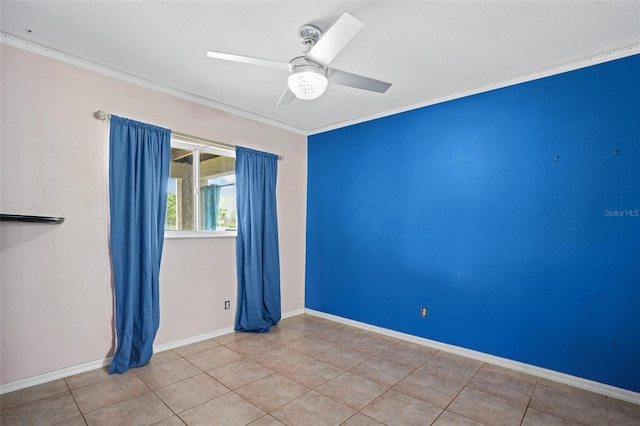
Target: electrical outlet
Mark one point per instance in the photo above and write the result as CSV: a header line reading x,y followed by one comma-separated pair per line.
x,y
423,312
227,305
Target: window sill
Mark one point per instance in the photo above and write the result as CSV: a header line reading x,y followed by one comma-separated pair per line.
x,y
171,235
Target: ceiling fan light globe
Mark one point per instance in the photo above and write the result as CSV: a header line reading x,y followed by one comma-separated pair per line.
x,y
307,84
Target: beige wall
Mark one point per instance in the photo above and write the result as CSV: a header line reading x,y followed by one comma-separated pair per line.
x,y
56,298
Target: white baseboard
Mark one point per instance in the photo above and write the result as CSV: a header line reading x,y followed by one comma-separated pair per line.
x,y
293,313
578,382
53,375
94,365
190,340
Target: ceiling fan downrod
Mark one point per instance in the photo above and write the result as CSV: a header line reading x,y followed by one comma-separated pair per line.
x,y
309,36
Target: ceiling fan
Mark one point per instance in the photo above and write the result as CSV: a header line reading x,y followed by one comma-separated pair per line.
x,y
310,73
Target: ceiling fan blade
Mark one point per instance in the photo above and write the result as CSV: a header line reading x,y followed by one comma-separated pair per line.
x,y
286,98
248,60
344,78
335,39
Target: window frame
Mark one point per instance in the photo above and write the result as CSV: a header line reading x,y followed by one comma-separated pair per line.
x,y
197,148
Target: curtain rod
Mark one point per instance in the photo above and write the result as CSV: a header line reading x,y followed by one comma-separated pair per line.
x,y
101,115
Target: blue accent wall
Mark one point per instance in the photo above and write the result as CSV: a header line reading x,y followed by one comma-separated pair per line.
x,y
513,215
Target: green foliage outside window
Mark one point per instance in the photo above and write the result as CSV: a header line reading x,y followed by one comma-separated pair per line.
x,y
170,222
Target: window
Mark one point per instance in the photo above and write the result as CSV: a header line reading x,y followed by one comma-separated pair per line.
x,y
201,197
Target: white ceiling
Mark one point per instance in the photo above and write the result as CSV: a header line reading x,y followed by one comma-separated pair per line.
x,y
430,51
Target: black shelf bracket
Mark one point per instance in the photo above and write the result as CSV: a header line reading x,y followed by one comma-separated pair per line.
x,y
27,218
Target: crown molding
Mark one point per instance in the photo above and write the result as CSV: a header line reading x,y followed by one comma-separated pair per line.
x,y
547,72
139,81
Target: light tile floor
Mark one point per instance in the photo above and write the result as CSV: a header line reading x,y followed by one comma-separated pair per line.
x,y
311,371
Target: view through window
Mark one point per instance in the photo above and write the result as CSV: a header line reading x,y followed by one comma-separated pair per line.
x,y
201,189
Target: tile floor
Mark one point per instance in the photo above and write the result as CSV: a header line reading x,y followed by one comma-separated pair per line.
x,y
311,371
